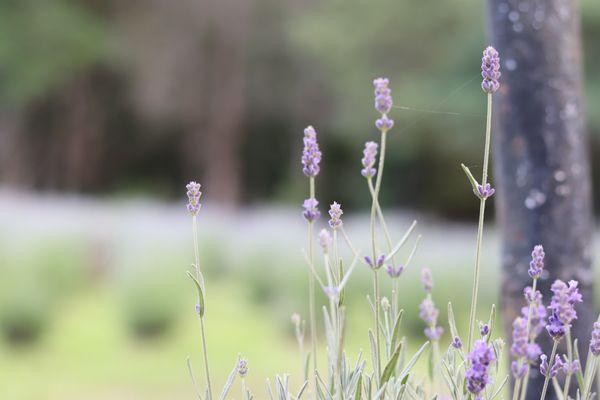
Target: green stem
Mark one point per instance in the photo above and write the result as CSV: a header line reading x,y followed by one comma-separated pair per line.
x,y
550,364
311,293
374,204
201,280
516,389
486,156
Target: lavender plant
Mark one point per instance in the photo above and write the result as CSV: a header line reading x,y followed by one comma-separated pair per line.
x,y
463,370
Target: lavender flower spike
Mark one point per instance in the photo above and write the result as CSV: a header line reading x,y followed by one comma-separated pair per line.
x,y
383,103
335,212
378,261
193,194
557,366
395,272
519,336
368,160
456,342
311,155
428,313
483,192
325,239
427,279
556,328
536,266
481,357
564,299
490,70
242,367
595,341
311,212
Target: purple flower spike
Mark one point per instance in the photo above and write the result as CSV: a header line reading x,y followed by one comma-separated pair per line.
x,y
536,266
456,342
378,261
490,70
368,160
484,330
383,95
555,327
325,239
335,214
395,272
193,194
427,280
384,123
311,155
428,313
481,357
595,341
311,212
383,103
564,300
570,368
483,192
434,333
518,370
332,292
557,366
519,336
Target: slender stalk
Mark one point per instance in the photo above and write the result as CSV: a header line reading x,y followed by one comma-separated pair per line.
x,y
201,280
516,389
311,293
374,249
570,358
486,156
550,364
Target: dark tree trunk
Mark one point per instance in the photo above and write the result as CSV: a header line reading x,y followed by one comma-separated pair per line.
x,y
542,167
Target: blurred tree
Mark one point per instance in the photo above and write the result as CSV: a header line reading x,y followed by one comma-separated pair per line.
x,y
44,46
542,165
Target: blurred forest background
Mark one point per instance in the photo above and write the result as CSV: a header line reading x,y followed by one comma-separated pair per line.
x,y
107,109
122,96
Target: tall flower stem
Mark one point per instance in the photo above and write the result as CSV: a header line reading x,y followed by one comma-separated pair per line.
x,y
201,280
374,207
550,365
311,292
486,157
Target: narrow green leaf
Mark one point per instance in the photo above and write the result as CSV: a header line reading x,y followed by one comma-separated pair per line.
x,y
302,389
306,366
452,321
358,393
470,176
200,294
396,330
579,374
228,383
391,366
414,359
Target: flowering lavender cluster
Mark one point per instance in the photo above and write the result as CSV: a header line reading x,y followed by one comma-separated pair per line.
x,y
368,160
427,310
467,367
478,375
193,194
383,104
311,155
490,70
562,307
